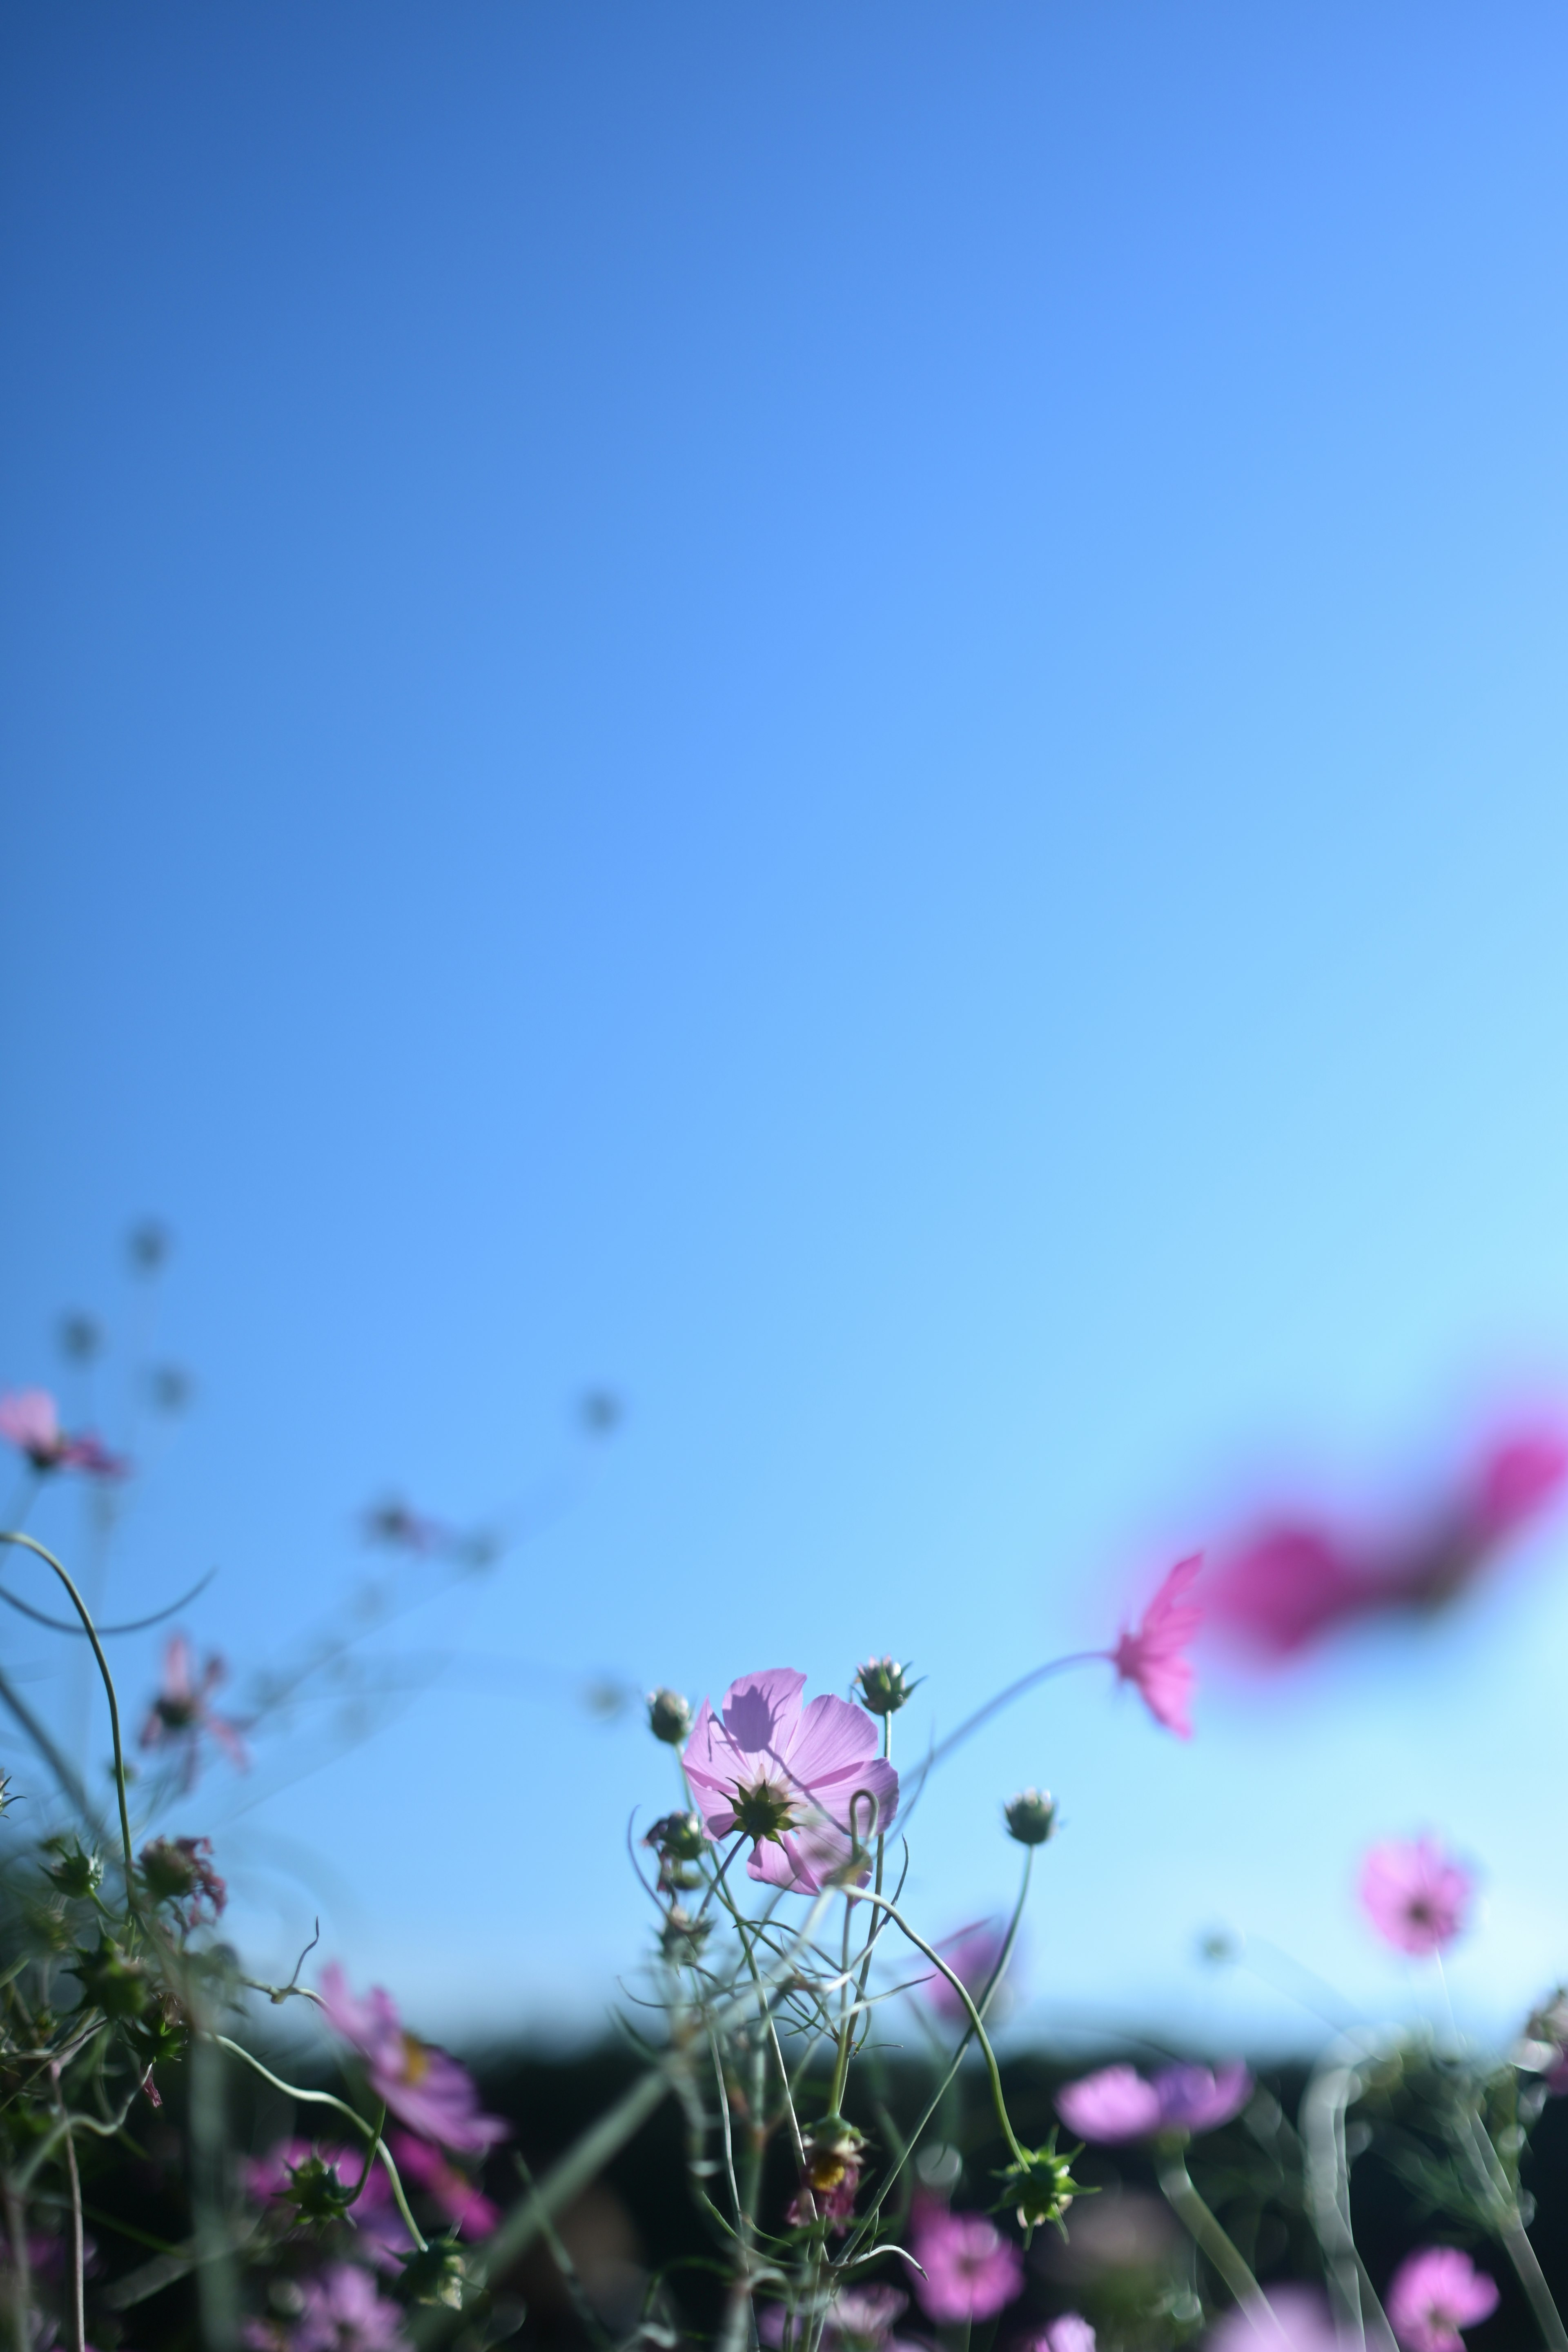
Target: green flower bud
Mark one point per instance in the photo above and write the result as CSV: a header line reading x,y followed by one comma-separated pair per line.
x,y
1041,2188
1031,1816
884,1685
435,2275
110,1980
75,1871
669,1716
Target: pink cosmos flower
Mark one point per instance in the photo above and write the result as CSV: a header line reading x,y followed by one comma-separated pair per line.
x,y
1293,1581
1118,2104
972,1955
1300,2323
971,2271
1417,1896
343,2310
423,2087
1151,1654
464,2205
1434,2293
1070,2333
858,2319
787,1776
29,1419
181,1713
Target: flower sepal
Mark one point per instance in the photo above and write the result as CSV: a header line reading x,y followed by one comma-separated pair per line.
x,y
1041,2188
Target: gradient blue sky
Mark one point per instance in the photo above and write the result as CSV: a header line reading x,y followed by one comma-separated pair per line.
x,y
855,716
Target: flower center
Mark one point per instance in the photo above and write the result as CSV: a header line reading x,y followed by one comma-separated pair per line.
x,y
415,2060
765,1809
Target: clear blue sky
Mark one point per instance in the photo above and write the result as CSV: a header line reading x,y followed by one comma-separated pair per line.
x,y
856,717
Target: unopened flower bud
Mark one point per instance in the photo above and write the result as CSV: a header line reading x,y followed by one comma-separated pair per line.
x,y
677,1837
1040,2188
884,1685
75,1871
669,1716
1031,1816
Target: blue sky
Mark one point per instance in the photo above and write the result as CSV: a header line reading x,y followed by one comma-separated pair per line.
x,y
854,719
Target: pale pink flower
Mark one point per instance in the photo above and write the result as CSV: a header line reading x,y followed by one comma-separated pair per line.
x,y
1151,1653
30,1421
858,2319
972,1955
343,2310
971,2271
423,2086
1434,2293
1300,2322
181,1713
1415,1895
1070,2333
1117,2103
1293,1581
788,1778
452,2191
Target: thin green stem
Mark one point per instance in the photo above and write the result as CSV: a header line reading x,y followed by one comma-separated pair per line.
x,y
28,1543
995,1705
865,1895
339,2107
1186,2202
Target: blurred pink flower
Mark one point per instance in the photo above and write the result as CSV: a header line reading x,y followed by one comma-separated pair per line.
x,y
1415,1895
1070,2333
423,2086
786,1776
271,2175
1151,1653
343,2310
972,1955
1293,1581
1300,2323
29,1419
463,2204
971,2271
1118,2104
858,2319
1434,2292
181,1713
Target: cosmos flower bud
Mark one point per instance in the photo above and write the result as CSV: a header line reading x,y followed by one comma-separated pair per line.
x,y
884,1685
1031,1816
681,1937
677,1837
1041,2188
110,1980
75,1871
833,2153
669,1716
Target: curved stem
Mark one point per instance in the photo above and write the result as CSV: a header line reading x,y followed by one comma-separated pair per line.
x,y
1186,2202
10,1536
995,1707
326,2099
63,1771
865,1895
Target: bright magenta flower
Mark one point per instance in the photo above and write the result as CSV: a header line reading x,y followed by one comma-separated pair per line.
x,y
423,2087
1417,1896
181,1713
1151,1653
1434,2293
468,2208
30,1421
1117,2103
1293,1581
787,1776
971,2271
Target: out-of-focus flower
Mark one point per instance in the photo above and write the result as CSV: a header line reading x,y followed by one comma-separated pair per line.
x,y
858,2319
789,1776
464,2205
971,2271
1152,1655
1434,2293
679,1841
1297,2321
1291,1581
1070,2333
30,1421
669,1716
1118,2104
1031,1816
973,1955
179,1871
424,2087
343,2310
884,1685
399,1528
182,1712
830,2178
1415,1895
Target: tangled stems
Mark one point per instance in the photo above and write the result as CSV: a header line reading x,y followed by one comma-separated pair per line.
x,y
11,1536
1182,2196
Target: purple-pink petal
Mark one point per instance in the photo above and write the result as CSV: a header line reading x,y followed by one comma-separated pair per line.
x,y
1114,2104
1198,2098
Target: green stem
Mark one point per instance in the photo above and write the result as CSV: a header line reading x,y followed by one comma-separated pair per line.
x,y
864,1895
1186,2202
326,2099
11,1536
